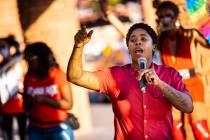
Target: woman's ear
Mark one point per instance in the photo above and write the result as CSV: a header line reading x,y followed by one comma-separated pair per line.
x,y
128,50
154,47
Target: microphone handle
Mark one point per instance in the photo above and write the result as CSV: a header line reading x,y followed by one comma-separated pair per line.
x,y
143,84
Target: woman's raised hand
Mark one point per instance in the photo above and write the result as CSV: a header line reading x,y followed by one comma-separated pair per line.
x,y
82,37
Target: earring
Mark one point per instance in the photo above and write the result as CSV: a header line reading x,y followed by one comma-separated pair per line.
x,y
177,23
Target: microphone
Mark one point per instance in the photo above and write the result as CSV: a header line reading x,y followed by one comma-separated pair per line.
x,y
142,65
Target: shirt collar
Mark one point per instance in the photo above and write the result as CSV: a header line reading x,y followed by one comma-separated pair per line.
x,y
133,71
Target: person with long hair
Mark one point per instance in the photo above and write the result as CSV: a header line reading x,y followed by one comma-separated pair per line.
x,y
47,96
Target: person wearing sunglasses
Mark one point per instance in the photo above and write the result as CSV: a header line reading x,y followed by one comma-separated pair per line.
x,y
176,44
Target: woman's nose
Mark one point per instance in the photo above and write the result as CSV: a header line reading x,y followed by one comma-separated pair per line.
x,y
138,43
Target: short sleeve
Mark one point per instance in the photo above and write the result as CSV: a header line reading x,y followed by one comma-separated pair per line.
x,y
103,79
107,82
61,79
177,82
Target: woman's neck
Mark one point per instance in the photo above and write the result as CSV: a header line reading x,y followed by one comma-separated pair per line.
x,y
172,34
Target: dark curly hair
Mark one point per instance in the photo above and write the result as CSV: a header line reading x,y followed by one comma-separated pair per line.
x,y
13,42
45,57
168,5
145,27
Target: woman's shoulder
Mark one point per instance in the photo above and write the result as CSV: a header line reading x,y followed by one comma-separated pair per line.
x,y
164,68
55,71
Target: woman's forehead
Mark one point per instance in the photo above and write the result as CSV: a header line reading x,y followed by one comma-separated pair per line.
x,y
166,11
139,32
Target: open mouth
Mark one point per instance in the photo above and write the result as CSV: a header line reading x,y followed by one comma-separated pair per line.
x,y
139,51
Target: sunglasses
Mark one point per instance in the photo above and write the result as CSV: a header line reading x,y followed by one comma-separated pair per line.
x,y
166,16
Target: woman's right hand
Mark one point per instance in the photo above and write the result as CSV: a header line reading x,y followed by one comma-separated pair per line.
x,y
81,38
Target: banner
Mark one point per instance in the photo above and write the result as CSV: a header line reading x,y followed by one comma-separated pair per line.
x,y
11,79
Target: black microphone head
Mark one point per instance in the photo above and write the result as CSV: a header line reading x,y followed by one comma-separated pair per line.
x,y
142,61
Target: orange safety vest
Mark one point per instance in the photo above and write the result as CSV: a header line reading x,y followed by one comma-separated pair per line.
x,y
183,61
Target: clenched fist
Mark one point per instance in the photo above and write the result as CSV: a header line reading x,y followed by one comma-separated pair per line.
x,y
81,38
150,76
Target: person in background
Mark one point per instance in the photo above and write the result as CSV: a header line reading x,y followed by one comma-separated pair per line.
x,y
4,51
13,107
138,114
47,96
14,48
175,44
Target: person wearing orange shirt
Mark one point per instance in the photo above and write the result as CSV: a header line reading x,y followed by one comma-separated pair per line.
x,y
47,96
175,43
11,100
13,109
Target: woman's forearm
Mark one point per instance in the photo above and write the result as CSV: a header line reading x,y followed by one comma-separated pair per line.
x,y
75,67
181,101
63,104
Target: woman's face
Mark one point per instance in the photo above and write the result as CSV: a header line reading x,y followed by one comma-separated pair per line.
x,y
33,63
167,19
5,52
140,44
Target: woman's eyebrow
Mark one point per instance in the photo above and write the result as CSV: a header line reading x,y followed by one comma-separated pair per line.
x,y
132,36
143,34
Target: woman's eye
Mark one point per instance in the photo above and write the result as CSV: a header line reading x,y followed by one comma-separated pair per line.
x,y
133,40
144,39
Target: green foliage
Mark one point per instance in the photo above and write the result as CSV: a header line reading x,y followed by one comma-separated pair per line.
x,y
96,7
114,2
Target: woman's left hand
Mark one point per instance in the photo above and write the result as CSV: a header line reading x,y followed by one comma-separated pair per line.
x,y
150,76
40,99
